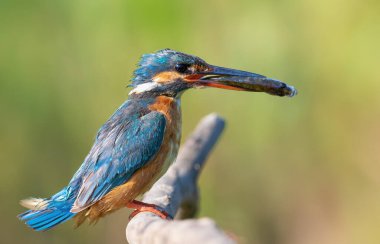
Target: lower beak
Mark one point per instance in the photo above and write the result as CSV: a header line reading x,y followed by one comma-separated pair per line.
x,y
244,81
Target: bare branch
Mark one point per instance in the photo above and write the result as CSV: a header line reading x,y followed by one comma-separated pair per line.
x,y
177,193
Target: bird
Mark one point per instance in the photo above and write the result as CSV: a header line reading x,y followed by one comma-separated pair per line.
x,y
140,140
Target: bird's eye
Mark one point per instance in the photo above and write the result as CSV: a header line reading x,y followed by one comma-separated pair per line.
x,y
181,68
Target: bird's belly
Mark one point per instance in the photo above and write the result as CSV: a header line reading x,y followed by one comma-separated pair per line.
x,y
171,156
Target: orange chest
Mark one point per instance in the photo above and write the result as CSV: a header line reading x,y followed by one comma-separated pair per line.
x,y
170,107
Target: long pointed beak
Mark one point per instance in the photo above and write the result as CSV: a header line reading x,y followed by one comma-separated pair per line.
x,y
241,80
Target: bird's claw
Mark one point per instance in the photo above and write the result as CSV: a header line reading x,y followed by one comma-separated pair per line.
x,y
146,207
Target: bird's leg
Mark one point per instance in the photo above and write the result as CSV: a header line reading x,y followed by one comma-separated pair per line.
x,y
146,207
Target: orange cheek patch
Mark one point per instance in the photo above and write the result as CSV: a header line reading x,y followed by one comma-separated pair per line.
x,y
166,76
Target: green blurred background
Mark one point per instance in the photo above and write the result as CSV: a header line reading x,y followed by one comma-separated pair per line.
x,y
301,170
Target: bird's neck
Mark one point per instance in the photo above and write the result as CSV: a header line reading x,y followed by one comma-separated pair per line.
x,y
169,106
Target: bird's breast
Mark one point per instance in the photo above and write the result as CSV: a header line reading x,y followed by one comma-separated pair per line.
x,y
171,108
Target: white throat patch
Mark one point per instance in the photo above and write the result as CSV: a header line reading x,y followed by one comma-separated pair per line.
x,y
144,87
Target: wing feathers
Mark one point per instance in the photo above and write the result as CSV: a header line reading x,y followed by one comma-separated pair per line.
x,y
114,159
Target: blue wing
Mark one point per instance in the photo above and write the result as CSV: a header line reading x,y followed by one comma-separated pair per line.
x,y
124,144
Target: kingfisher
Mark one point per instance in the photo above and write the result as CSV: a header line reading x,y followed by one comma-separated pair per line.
x,y
138,142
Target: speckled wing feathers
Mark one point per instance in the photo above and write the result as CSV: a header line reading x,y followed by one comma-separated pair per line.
x,y
115,156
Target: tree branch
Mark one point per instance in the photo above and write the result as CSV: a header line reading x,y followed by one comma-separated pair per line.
x,y
177,193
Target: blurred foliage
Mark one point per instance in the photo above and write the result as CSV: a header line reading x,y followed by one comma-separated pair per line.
x,y
302,170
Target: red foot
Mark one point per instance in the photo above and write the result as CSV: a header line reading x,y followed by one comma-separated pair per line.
x,y
146,207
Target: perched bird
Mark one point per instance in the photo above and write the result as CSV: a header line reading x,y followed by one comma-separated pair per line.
x,y
136,145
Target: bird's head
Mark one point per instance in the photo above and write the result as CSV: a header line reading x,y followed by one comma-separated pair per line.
x,y
168,72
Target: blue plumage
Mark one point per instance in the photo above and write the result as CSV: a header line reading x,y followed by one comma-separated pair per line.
x,y
55,211
140,138
126,147
124,144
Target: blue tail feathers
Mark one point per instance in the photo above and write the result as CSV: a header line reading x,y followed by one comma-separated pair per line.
x,y
44,214
46,219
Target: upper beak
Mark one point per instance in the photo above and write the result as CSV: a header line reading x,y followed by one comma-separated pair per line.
x,y
241,80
